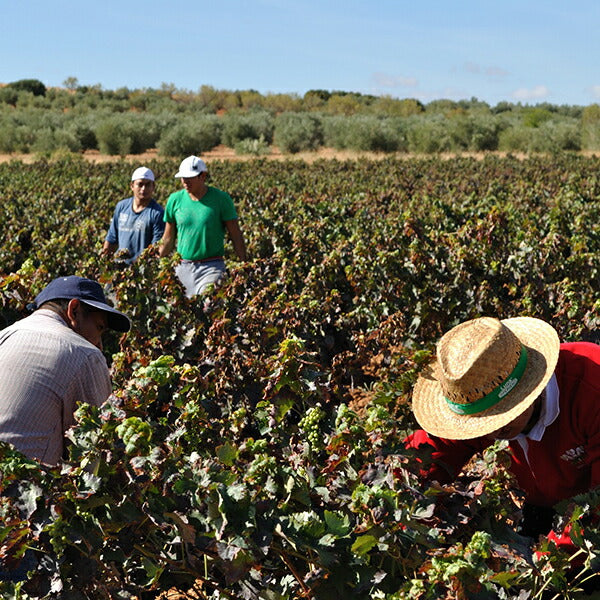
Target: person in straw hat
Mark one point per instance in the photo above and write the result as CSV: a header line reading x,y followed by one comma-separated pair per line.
x,y
512,379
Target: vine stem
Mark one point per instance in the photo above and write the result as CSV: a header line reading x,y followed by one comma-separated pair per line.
x,y
288,564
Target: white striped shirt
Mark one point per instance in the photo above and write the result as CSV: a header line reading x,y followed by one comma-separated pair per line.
x,y
46,369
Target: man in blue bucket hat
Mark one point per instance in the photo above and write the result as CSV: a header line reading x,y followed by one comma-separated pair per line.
x,y
52,360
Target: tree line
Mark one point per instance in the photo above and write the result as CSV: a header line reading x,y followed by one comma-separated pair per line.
x,y
42,120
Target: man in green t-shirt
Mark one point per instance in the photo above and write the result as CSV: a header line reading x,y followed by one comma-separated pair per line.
x,y
196,218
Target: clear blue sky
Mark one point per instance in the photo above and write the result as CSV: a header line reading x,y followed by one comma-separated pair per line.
x,y
527,51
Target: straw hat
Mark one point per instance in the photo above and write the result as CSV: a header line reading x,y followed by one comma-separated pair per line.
x,y
487,373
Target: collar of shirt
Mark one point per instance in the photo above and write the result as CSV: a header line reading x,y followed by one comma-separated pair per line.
x,y
550,410
47,312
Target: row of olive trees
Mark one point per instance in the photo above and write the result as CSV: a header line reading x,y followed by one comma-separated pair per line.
x,y
255,132
34,118
32,93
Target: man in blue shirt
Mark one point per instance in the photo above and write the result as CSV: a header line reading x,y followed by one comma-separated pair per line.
x,y
137,221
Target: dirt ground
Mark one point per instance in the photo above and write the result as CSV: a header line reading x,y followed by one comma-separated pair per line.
x,y
218,153
225,153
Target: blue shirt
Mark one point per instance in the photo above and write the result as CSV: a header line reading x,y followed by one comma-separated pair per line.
x,y
136,231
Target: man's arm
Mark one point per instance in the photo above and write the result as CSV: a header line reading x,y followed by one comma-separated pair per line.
x,y
443,459
108,249
167,243
237,239
92,385
158,228
111,242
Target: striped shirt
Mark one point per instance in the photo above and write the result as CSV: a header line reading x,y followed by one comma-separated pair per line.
x,y
46,369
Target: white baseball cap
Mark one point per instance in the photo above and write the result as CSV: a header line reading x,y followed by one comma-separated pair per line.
x,y
142,173
191,167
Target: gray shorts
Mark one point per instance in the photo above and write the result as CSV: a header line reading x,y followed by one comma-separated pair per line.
x,y
196,276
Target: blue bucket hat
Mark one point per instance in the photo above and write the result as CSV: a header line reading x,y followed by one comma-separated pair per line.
x,y
87,291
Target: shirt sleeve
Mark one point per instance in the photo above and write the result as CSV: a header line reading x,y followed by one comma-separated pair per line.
x,y
158,226
111,236
592,447
578,374
228,212
442,460
92,385
169,215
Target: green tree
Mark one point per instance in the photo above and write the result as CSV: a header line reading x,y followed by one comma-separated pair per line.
x,y
35,86
250,126
71,83
395,107
365,132
295,132
192,135
279,103
9,95
251,99
343,105
211,98
591,114
534,117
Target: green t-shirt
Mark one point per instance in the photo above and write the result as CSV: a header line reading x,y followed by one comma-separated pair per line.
x,y
200,223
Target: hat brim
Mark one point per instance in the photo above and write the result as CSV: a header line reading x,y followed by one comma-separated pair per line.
x,y
115,320
435,416
188,174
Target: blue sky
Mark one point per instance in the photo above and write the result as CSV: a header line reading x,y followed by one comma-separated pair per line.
x,y
516,51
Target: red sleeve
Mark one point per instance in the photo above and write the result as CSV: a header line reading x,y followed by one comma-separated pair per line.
x,y
563,540
564,543
448,457
578,375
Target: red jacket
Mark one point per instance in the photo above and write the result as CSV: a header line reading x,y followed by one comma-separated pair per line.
x,y
566,461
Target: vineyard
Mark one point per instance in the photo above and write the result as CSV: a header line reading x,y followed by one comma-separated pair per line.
x,y
253,446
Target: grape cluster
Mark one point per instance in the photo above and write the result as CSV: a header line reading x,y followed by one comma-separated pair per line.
x,y
239,419
309,425
59,531
136,435
261,467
